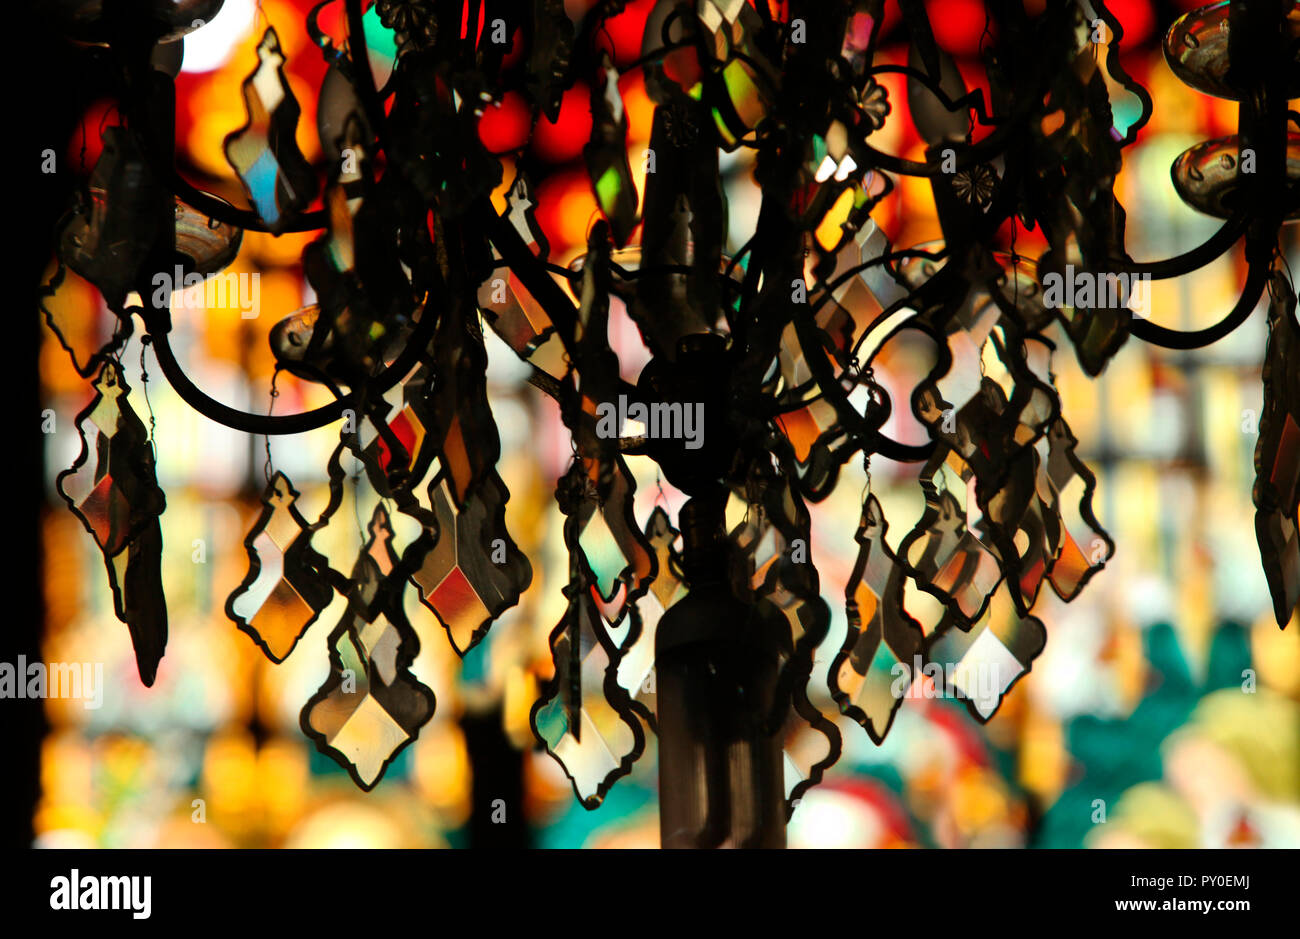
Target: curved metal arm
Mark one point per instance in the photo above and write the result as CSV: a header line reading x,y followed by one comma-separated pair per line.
x,y
274,425
158,323
871,439
981,151
1194,259
236,217
1168,338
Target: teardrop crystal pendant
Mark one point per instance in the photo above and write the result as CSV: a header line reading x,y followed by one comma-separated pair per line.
x,y
113,490
264,152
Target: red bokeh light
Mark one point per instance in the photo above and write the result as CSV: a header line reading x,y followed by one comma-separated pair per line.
x,y
1135,17
562,141
96,117
958,25
625,30
505,127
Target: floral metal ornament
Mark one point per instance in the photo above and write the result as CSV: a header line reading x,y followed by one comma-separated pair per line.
x,y
413,21
976,185
112,488
873,99
371,706
288,582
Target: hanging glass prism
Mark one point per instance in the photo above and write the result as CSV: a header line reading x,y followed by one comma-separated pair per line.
x,y
943,555
471,571
264,152
1081,546
1277,456
980,663
107,238
584,717
371,706
609,545
288,582
606,156
881,636
636,667
113,490
812,745
467,566
392,442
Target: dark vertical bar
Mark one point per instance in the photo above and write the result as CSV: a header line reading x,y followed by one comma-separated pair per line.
x,y
497,818
720,766
40,119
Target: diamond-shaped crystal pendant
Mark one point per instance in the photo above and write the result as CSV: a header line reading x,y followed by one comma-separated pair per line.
x,y
287,584
371,706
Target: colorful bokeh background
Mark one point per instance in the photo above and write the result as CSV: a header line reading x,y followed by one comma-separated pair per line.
x,y
1165,710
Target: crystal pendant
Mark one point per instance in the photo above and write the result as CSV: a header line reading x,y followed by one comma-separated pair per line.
x,y
882,635
371,706
1277,456
288,582
277,178
113,490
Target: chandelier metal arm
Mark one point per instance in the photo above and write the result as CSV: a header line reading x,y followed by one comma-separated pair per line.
x,y
275,425
239,218
982,151
1192,260
871,440
1168,338
891,449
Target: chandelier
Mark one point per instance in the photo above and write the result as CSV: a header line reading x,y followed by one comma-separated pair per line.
x,y
759,386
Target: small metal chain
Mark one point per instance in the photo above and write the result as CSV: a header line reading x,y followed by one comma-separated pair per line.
x,y
275,393
356,506
144,386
